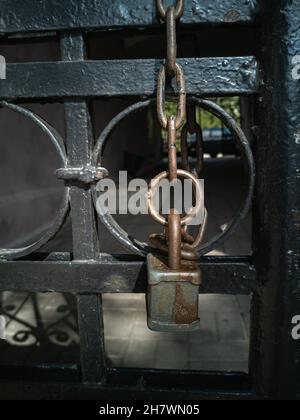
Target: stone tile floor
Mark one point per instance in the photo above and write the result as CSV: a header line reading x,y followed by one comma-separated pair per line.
x,y
222,343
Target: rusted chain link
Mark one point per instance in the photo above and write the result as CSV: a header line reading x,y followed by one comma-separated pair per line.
x,y
192,127
154,186
171,42
161,98
185,150
179,8
172,149
191,118
189,244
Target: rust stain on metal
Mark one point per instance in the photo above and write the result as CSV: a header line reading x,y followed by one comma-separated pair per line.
x,y
184,311
232,15
296,217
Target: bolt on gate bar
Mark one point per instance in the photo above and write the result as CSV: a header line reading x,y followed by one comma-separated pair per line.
x,y
271,274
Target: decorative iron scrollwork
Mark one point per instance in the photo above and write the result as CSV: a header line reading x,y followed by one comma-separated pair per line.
x,y
142,248
63,210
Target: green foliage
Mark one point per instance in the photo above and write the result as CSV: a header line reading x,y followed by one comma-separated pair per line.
x,y
231,105
207,120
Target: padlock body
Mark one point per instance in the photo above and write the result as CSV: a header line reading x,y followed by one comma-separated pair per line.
x,y
172,299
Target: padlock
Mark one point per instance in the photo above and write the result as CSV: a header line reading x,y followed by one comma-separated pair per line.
x,y
172,298
173,286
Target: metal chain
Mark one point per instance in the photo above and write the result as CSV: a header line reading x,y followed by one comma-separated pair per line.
x,y
171,42
191,118
171,70
192,127
176,240
161,97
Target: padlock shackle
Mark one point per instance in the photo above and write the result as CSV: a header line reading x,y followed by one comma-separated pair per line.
x,y
174,240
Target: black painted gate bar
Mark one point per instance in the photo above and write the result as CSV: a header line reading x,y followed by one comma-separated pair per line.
x,y
275,355
272,273
85,238
223,76
35,15
224,275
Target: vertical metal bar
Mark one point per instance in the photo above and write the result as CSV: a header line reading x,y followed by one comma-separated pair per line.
x,y
85,238
275,355
79,144
91,327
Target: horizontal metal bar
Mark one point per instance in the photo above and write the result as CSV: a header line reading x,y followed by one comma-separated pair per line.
x,y
34,15
76,391
205,76
40,372
226,381
118,275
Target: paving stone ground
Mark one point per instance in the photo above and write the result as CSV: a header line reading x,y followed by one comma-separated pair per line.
x,y
222,343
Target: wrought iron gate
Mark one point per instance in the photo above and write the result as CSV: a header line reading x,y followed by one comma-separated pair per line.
x,y
271,274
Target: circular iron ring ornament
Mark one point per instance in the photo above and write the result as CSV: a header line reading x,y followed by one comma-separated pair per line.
x,y
58,144
142,248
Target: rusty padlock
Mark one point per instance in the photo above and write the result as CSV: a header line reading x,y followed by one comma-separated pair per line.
x,y
173,287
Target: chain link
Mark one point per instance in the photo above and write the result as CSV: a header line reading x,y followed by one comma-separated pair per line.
x,y
191,118
172,149
155,183
161,97
192,127
179,8
185,150
171,42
